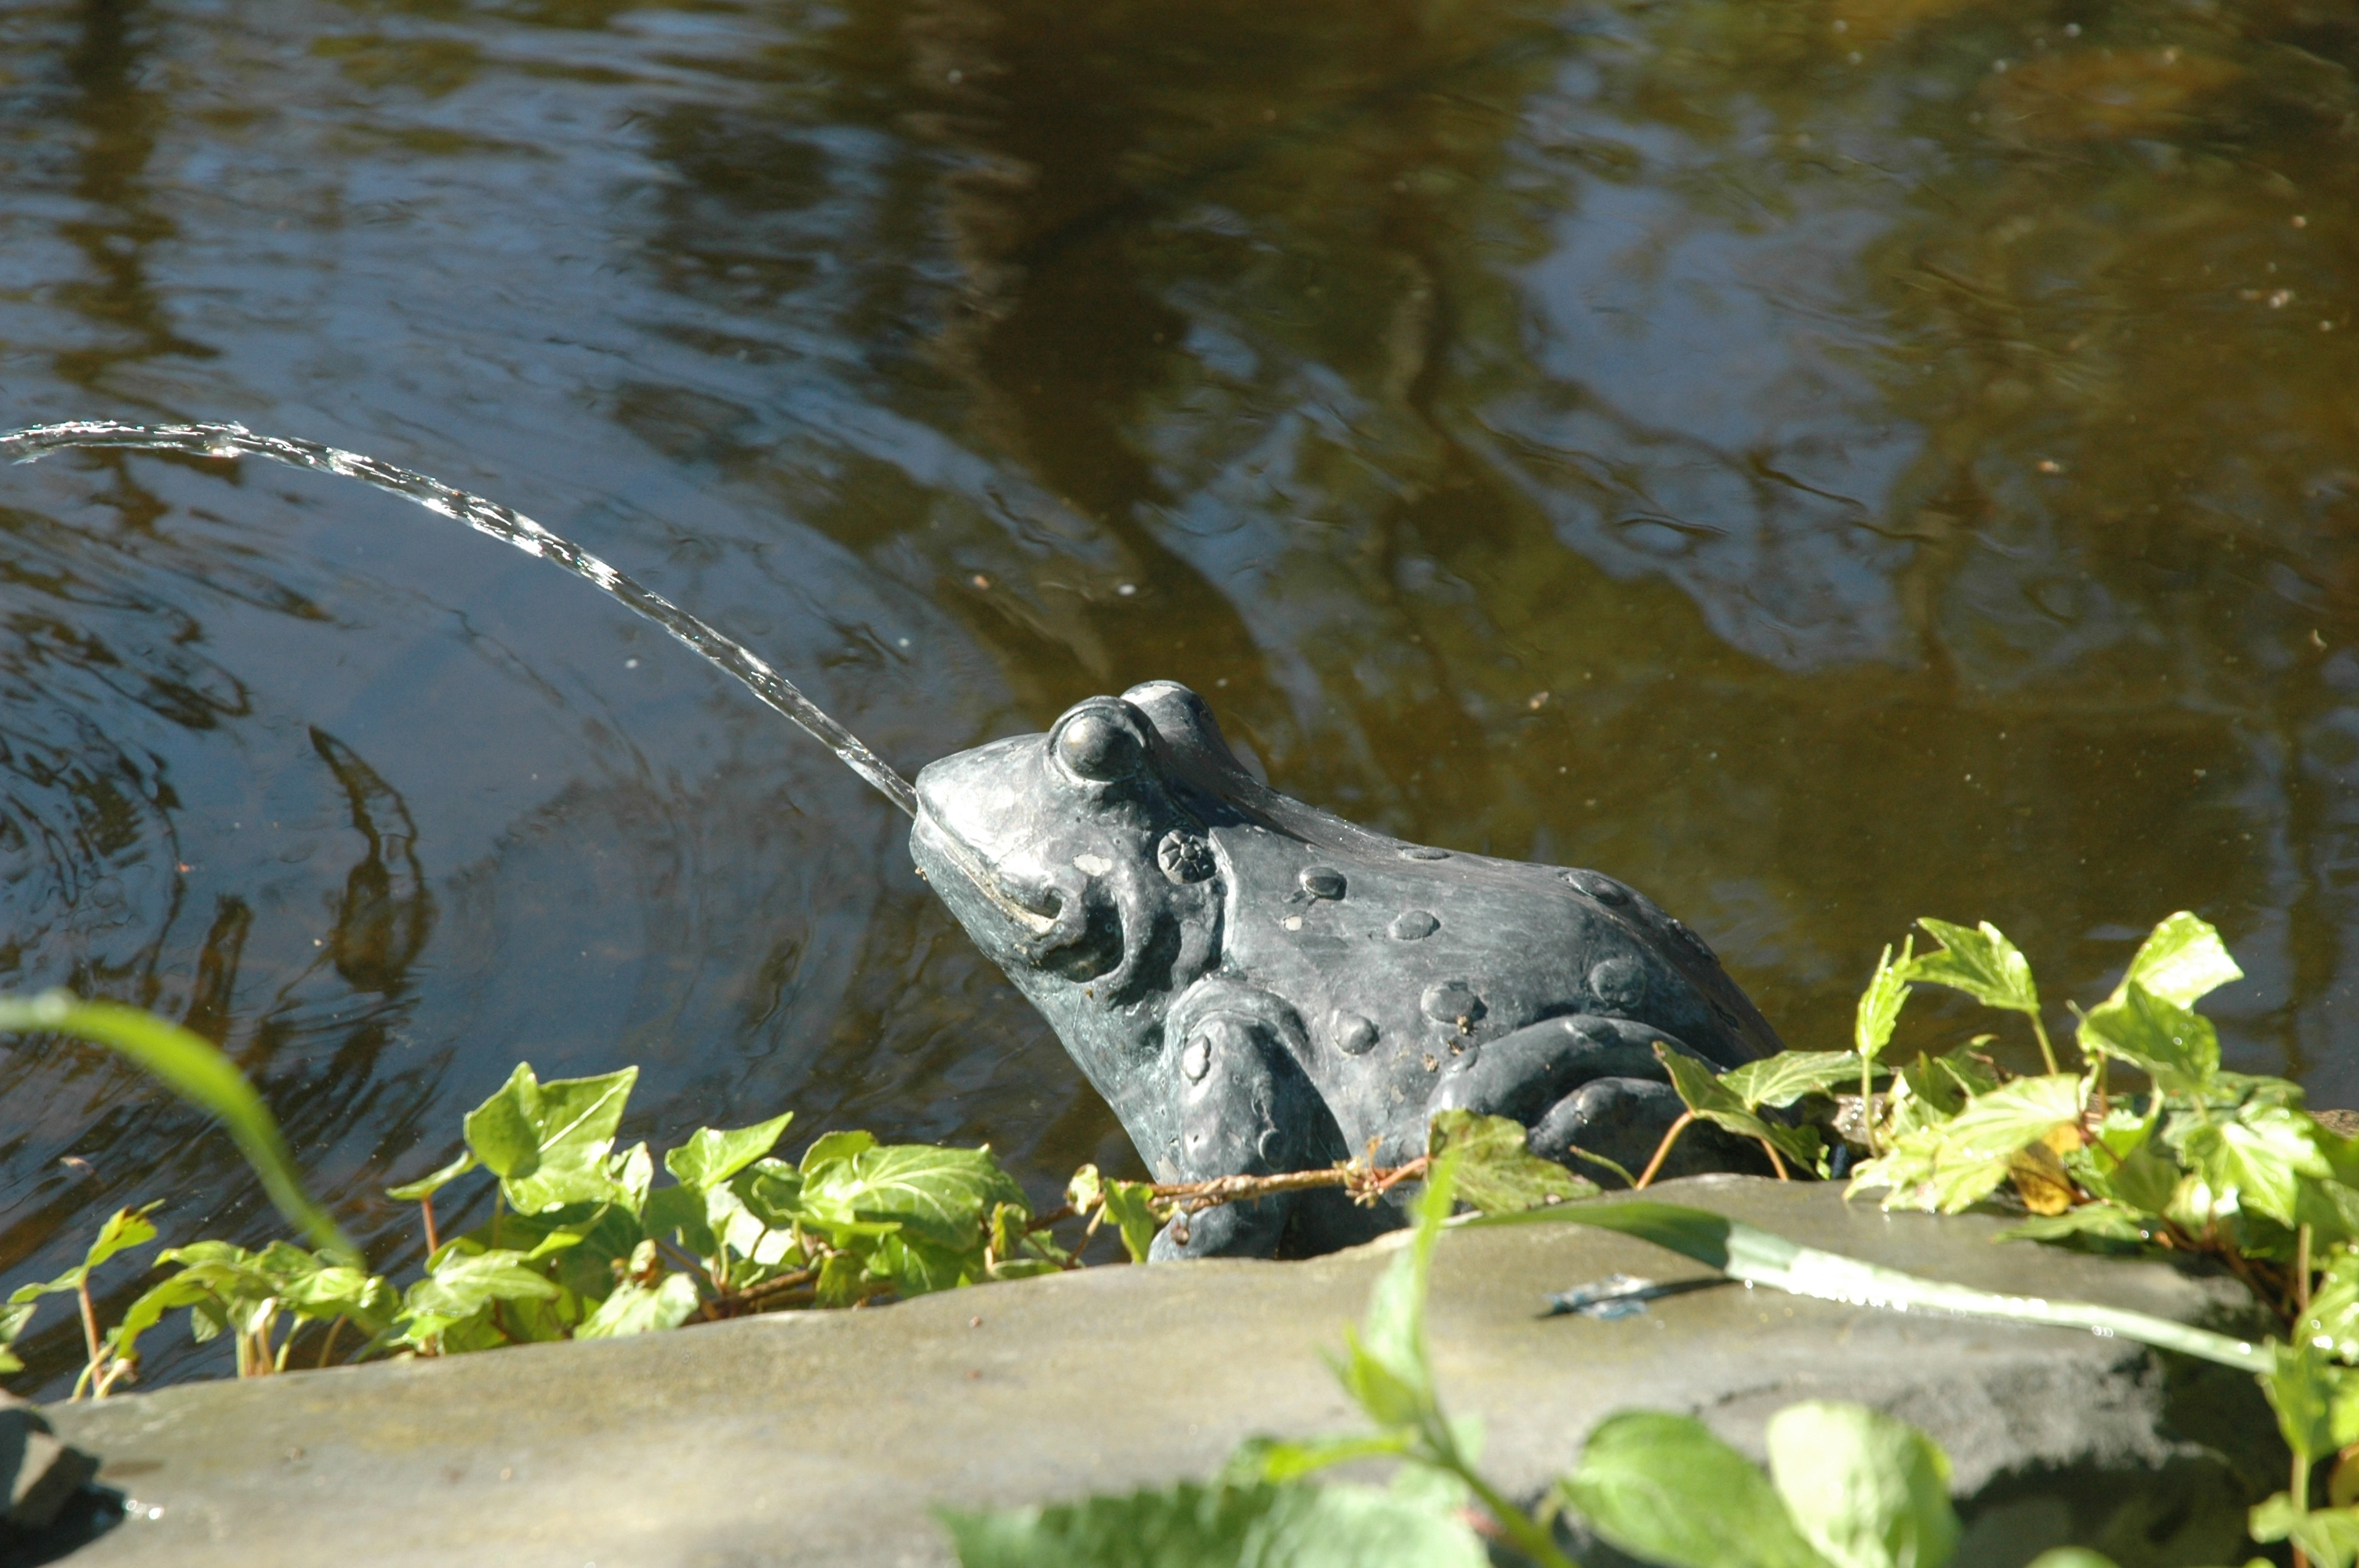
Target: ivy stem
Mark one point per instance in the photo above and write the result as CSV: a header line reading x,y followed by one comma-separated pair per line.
x,y
89,1331
1663,1149
1529,1536
2301,1269
433,1237
2300,1492
2047,1052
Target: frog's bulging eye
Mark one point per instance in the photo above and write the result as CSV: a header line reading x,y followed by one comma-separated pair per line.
x,y
1098,746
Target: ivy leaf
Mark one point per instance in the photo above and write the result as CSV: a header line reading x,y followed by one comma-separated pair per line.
x,y
2177,1048
832,1148
941,1194
636,1308
1880,1004
1298,1526
426,1186
2102,1221
1952,1164
1980,962
2316,1399
1131,1206
13,1321
1662,1487
2330,1536
2259,1160
711,1157
1497,1172
2181,960
464,1283
1778,1081
547,1142
1275,1459
1712,1098
1867,1490
2333,1316
772,1192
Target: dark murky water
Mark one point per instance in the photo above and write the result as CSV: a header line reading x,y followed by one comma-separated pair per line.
x,y
1826,462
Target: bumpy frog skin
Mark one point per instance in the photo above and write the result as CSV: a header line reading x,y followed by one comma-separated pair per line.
x,y
1257,986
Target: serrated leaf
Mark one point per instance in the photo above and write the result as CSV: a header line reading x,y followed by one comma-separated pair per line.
x,y
1878,1013
2177,1048
2181,960
711,1157
635,1308
1298,1526
1778,1081
1954,1163
1980,962
1662,1487
426,1186
941,1194
2257,1160
1497,1171
1865,1490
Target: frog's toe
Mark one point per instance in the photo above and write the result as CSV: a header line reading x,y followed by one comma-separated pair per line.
x,y
1624,1120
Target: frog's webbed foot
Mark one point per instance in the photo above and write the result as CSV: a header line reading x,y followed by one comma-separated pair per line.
x,y
1593,1083
1624,1120
1245,1109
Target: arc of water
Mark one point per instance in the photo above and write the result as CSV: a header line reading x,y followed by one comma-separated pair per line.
x,y
489,517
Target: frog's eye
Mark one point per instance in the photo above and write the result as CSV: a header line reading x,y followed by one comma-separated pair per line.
x,y
1096,745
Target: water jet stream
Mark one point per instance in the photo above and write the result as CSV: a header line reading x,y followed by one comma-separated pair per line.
x,y
489,517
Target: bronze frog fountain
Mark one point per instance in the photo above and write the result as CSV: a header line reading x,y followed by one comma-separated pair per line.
x,y
1254,986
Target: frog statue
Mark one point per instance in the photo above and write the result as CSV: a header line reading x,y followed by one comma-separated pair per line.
x,y
1256,986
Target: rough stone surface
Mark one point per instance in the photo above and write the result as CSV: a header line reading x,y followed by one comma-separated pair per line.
x,y
819,1438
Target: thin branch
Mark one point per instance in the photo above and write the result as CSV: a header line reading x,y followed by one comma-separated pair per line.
x,y
1663,1149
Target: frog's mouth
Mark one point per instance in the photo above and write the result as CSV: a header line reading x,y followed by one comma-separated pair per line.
x,y
1062,924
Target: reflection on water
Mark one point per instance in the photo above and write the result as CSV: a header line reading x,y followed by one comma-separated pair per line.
x,y
1824,462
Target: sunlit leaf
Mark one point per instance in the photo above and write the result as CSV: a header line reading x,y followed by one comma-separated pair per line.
x,y
1130,1206
463,1283
771,1190
1298,1526
941,1194
830,1148
1497,1171
1954,1163
124,1227
1274,1459
1878,1013
1778,1081
1867,1490
193,1068
1712,1099
1980,962
2177,1048
2333,1314
1384,1368
711,1157
2096,1222
2258,1159
2316,1399
426,1186
1663,1489
2330,1536
547,1142
635,1308
2180,961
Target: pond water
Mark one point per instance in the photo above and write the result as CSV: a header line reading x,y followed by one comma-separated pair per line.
x,y
1826,462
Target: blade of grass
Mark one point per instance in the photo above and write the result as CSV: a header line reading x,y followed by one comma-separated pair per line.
x,y
1761,1256
194,1069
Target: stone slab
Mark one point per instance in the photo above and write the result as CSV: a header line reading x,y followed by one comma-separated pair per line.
x,y
819,1438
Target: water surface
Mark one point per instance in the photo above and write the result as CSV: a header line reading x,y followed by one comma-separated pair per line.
x,y
1825,462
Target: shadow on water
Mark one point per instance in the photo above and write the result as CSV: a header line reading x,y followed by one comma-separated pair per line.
x,y
1824,462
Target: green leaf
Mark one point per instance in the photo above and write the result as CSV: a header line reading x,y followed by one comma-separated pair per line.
x,y
1867,1490
1712,1098
2259,1160
426,1186
1760,1257
1385,1370
192,1068
2179,1049
2180,961
1259,1459
463,1282
547,1142
2330,1536
635,1308
1497,1171
1298,1526
2106,1222
917,1266
124,1227
1951,1165
2071,1557
1131,1206
1981,962
830,1148
1780,1080
711,1157
1662,1487
2316,1399
2333,1314
180,1290
772,1192
941,1194
1880,1005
